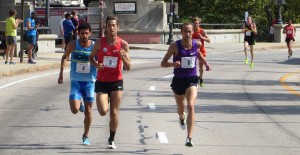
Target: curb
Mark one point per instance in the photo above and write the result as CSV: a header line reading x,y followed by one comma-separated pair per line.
x,y
30,69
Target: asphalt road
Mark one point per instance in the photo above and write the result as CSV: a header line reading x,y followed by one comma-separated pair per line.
x,y
238,111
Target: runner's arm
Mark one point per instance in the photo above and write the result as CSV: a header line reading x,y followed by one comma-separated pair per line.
x,y
284,30
171,51
64,59
254,28
125,55
205,37
92,56
201,58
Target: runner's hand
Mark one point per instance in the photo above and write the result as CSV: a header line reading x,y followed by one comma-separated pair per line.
x,y
122,53
100,66
208,68
176,64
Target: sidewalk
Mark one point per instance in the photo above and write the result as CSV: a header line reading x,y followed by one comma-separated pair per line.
x,y
51,60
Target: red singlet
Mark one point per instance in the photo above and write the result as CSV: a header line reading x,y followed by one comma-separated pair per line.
x,y
290,31
196,36
111,58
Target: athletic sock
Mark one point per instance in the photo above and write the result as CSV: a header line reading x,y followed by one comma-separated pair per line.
x,y
112,135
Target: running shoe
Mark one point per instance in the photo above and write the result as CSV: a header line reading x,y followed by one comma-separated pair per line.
x,y
246,61
5,62
111,144
252,65
12,63
85,140
290,53
201,84
189,142
81,108
31,62
182,124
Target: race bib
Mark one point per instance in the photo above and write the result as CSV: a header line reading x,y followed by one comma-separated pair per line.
x,y
188,62
83,68
110,61
0,42
289,32
248,33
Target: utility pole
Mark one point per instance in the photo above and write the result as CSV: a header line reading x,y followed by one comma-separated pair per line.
x,y
21,34
280,2
170,40
47,23
101,6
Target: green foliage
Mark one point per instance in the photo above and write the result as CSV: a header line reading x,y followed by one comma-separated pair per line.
x,y
291,10
232,11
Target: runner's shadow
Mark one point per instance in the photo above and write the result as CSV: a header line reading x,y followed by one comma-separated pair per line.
x,y
292,61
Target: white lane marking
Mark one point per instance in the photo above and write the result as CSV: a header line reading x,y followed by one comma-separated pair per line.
x,y
152,106
34,77
162,137
152,88
167,76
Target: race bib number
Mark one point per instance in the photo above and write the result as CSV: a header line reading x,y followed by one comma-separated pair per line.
x,y
188,62
248,33
110,61
83,68
289,32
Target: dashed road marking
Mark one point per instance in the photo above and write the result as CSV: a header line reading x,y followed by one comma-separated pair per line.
x,y
162,137
152,106
167,76
152,88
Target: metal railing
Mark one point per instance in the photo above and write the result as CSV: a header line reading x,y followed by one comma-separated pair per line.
x,y
215,26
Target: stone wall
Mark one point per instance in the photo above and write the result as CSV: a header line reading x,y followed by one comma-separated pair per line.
x,y
280,37
151,15
46,43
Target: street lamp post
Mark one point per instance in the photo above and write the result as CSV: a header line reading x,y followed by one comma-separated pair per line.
x,y
101,6
170,40
21,34
47,23
280,2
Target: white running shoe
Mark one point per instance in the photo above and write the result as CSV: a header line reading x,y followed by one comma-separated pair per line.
x,y
182,123
189,142
111,144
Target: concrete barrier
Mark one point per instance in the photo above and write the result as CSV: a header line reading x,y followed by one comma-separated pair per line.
x,y
46,43
280,37
162,36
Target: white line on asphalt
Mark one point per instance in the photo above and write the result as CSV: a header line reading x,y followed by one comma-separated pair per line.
x,y
34,77
162,137
152,106
167,76
152,88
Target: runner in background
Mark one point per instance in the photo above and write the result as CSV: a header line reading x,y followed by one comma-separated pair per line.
x,y
199,33
290,33
250,31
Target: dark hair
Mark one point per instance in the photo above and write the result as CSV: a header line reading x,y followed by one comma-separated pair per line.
x,y
12,12
112,18
67,15
84,26
73,12
185,24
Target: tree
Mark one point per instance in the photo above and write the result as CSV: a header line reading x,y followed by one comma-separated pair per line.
x,y
232,11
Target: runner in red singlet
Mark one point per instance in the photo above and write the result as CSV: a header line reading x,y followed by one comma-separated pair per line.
x,y
289,30
111,52
199,33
